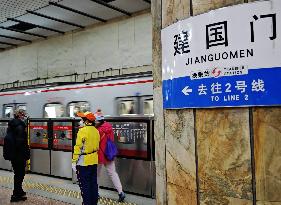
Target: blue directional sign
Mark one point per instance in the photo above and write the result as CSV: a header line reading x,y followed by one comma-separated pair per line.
x,y
259,87
221,59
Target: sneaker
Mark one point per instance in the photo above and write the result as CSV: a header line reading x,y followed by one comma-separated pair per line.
x,y
121,197
19,194
18,198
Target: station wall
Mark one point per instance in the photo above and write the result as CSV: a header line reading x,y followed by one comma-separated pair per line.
x,y
120,44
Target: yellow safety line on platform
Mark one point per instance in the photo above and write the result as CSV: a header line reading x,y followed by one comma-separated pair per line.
x,y
28,141
59,191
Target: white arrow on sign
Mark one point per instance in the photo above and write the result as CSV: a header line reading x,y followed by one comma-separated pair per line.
x,y
186,90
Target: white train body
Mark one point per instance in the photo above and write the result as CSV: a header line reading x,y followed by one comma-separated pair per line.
x,y
106,95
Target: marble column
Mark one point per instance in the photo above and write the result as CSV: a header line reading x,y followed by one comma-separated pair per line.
x,y
225,156
267,138
159,134
179,130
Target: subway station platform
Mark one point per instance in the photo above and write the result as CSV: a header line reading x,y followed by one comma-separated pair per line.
x,y
54,191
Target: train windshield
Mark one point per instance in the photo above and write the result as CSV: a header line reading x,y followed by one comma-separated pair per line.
x,y
75,107
53,110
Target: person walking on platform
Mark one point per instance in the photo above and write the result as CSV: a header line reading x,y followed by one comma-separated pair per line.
x,y
16,149
106,132
85,159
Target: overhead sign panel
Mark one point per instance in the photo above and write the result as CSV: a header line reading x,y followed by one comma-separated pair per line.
x,y
225,58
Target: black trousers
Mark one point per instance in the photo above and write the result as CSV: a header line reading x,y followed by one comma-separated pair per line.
x,y
87,178
19,173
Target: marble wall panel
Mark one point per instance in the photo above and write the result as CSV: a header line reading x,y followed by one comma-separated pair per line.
x,y
215,200
268,203
177,175
267,138
181,185
174,10
156,12
160,149
180,196
237,201
202,6
224,158
180,154
160,163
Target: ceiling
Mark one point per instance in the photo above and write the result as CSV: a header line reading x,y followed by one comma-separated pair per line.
x,y
23,21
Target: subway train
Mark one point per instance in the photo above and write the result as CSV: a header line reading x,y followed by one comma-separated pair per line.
x,y
127,104
115,98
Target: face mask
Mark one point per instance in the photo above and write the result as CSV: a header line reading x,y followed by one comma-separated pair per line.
x,y
97,124
23,118
81,123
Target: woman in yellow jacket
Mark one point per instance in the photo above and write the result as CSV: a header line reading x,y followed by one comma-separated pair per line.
x,y
85,159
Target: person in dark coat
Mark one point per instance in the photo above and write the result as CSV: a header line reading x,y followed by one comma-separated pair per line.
x,y
18,130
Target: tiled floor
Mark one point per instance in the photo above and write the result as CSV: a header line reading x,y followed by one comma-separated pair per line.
x,y
49,191
31,199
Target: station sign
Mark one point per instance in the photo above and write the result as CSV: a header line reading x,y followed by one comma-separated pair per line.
x,y
224,58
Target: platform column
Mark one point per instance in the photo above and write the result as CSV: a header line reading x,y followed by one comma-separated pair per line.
x,y
212,156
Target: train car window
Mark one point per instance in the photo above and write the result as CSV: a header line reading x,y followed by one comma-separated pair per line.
x,y
21,106
53,110
148,107
126,107
8,111
75,107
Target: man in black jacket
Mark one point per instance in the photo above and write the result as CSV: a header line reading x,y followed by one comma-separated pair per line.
x,y
17,129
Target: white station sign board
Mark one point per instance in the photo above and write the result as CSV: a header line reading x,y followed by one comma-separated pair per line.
x,y
224,58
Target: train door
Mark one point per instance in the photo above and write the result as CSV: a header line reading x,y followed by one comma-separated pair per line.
x,y
41,138
39,146
4,164
61,151
60,140
51,145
